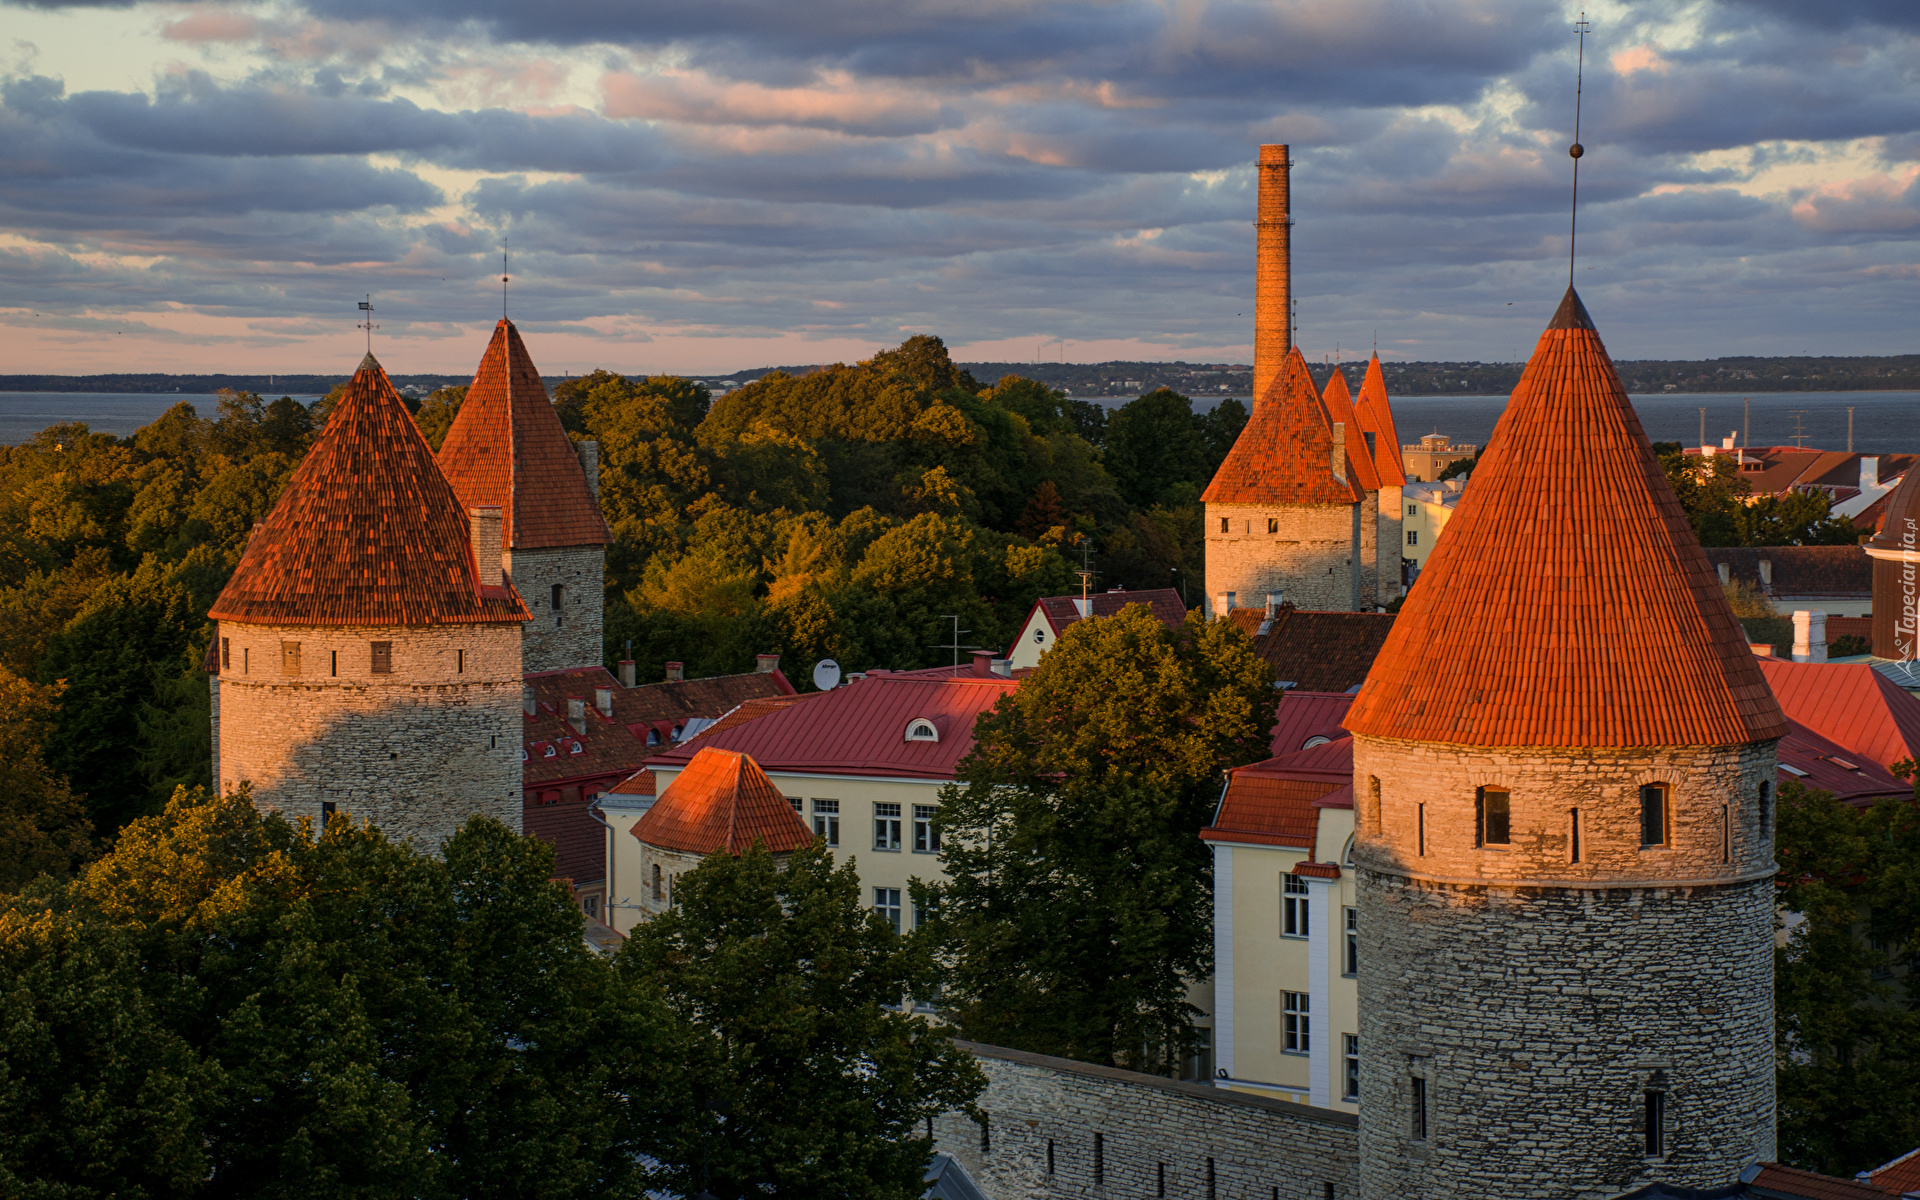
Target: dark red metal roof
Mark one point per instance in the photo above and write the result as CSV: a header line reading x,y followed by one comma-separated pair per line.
x,y
1823,763
1305,715
1850,704
860,728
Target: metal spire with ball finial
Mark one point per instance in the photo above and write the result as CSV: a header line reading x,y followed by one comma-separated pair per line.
x,y
1576,150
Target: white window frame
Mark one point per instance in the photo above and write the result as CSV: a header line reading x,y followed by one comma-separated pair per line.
x,y
926,839
886,826
1350,1064
826,822
886,902
1295,917
1350,948
1296,1023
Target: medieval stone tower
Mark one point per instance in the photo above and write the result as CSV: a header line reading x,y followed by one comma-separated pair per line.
x,y
1286,508
1563,766
507,448
1287,513
369,649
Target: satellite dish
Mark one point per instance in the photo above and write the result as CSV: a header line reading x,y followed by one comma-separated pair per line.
x,y
826,674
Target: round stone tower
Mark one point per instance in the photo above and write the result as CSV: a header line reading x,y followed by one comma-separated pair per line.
x,y
1563,772
369,647
508,448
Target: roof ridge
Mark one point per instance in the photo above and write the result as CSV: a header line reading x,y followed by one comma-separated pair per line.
x,y
1569,540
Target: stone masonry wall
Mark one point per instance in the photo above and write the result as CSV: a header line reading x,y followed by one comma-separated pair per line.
x,y
1257,1147
1390,546
575,638
1369,550
1540,998
415,751
1310,558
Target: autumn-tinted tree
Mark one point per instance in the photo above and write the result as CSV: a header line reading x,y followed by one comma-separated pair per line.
x,y
1077,906
43,825
808,1078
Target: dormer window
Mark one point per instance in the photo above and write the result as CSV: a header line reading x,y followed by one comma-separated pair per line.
x,y
549,751
578,748
653,737
922,730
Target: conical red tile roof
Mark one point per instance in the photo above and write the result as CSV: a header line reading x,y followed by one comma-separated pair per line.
x,y
722,801
1376,418
367,532
1284,455
1339,404
507,447
1568,604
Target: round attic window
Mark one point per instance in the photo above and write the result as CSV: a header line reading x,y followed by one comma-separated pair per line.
x,y
1315,740
922,730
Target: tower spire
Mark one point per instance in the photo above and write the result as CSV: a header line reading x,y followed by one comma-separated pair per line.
x,y
1576,150
503,279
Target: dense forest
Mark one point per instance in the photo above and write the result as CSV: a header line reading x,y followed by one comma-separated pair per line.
x,y
849,513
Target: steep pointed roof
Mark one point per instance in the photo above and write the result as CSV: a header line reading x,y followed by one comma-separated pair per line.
x,y
1568,603
1376,418
1339,405
1900,528
722,801
367,532
507,447
1284,454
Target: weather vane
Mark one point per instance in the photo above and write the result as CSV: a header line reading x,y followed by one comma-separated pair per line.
x,y
1576,150
366,306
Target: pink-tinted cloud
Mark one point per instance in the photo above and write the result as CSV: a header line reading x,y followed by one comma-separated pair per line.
x,y
835,102
215,25
1868,204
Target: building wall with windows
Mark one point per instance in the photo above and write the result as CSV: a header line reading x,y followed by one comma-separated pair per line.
x,y
413,729
882,825
1285,1002
1306,553
1427,508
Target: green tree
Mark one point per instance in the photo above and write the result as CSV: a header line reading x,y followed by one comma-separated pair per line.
x,y
43,825
437,412
1077,907
1220,428
1848,1016
1153,443
808,1077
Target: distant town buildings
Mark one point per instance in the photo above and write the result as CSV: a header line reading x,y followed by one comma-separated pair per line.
x,y
1433,454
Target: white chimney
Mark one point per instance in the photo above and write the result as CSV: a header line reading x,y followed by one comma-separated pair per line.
x,y
627,673
1274,600
1222,605
1766,575
483,526
1726,443
1726,573
676,672
766,663
528,704
1809,636
577,713
603,700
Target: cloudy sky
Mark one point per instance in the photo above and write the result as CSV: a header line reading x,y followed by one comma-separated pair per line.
x,y
706,186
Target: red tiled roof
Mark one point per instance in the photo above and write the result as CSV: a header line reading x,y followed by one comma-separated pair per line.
x,y
579,842
1316,651
1284,454
1799,570
1376,417
1062,611
1569,603
1303,715
1849,703
860,728
640,783
1339,405
367,532
1317,870
1773,1179
507,447
722,801
1901,516
1820,762
1275,802
617,745
1900,1176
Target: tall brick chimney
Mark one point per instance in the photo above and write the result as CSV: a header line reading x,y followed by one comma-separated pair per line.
x,y
483,526
1273,273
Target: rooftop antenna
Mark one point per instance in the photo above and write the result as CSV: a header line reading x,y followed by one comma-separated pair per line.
x,y
366,306
1799,428
1576,150
1086,572
955,645
1746,421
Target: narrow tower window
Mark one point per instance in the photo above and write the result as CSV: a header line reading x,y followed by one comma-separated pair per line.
x,y
659,889
1273,524
1494,809
246,660
1653,814
1656,1124
1726,834
383,658
1422,830
1352,963
1766,809
333,663
1420,1109
986,1134
226,658
1162,1189
1223,524
1049,1156
1099,1159
1573,845
460,662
